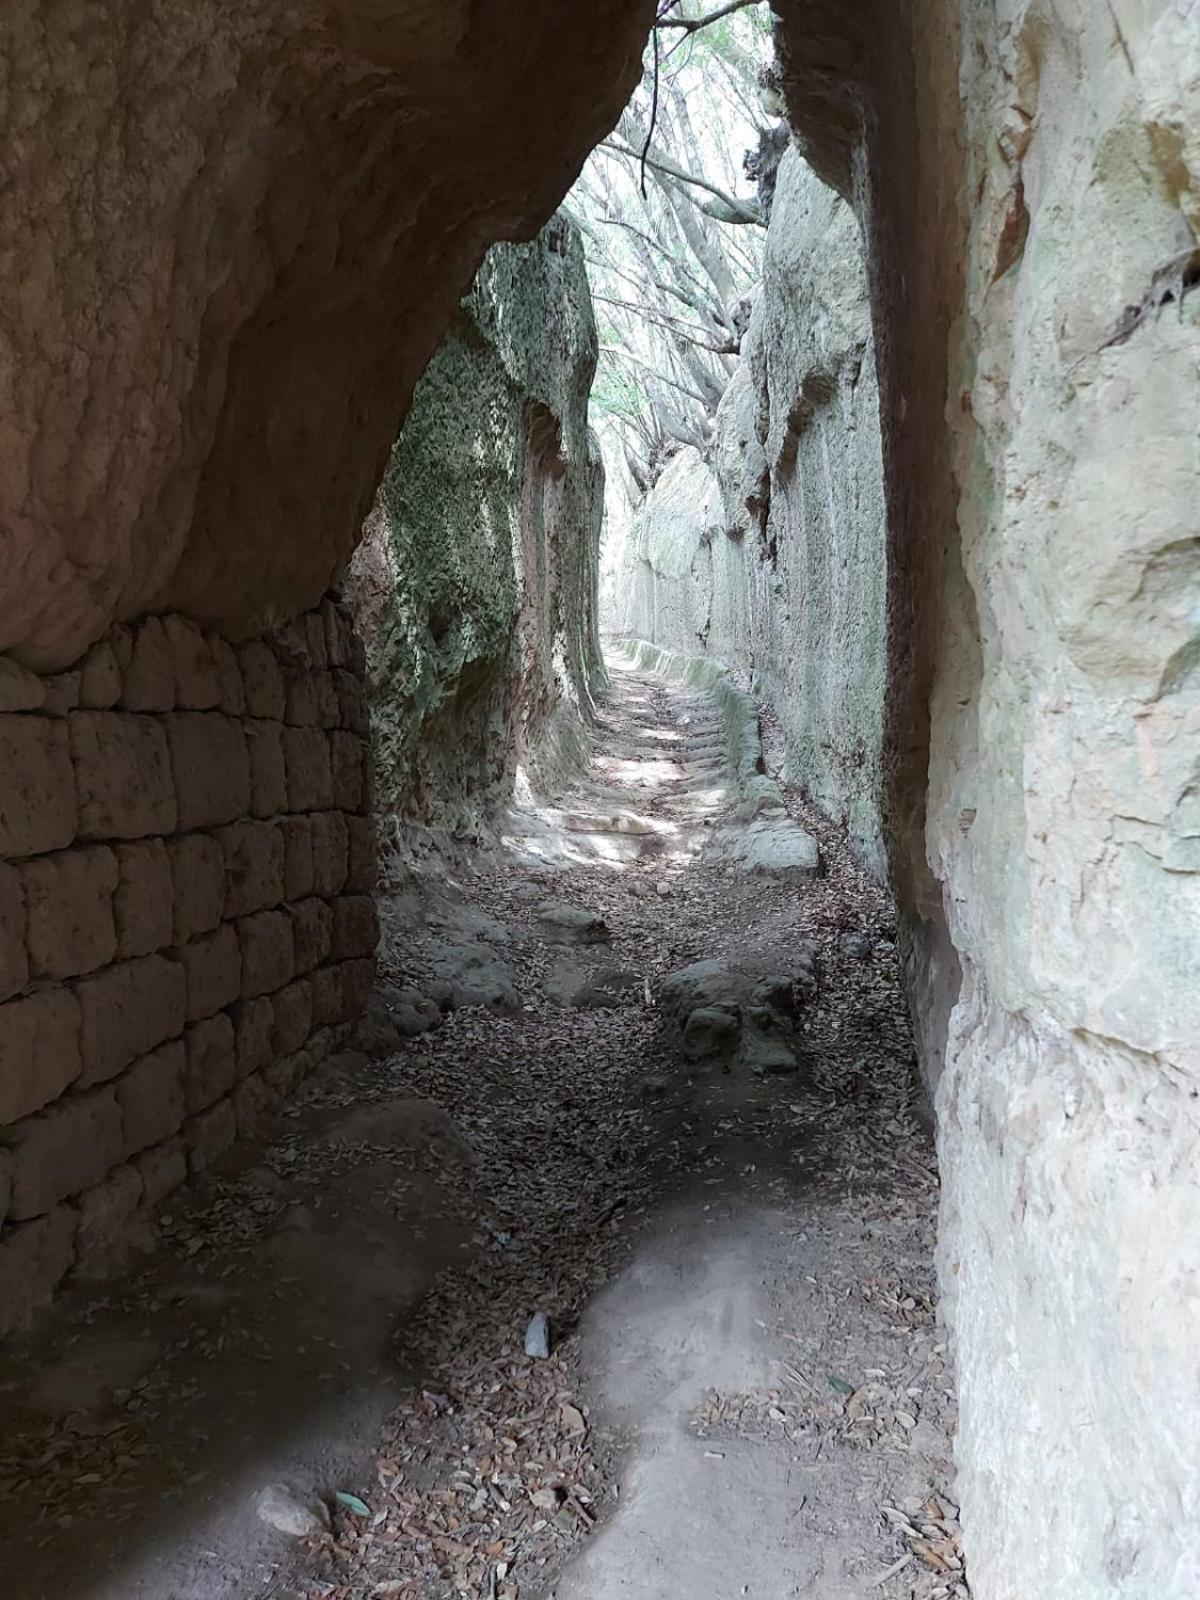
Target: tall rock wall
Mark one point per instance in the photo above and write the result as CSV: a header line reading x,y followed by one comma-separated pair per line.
x,y
476,583
770,553
187,867
1029,179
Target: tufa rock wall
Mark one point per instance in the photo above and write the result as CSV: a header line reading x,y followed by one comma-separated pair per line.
x,y
233,233
476,583
770,554
1029,178
186,918
1064,798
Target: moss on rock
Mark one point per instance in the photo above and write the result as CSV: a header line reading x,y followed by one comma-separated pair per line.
x,y
476,583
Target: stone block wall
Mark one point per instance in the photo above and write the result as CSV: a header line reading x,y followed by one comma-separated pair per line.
x,y
187,866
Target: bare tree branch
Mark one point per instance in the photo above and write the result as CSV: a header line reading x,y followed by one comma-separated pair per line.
x,y
683,330
694,24
627,355
742,211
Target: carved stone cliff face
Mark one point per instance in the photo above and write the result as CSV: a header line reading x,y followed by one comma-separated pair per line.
x,y
770,555
232,236
1029,177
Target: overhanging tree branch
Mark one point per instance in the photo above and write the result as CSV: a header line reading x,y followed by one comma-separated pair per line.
x,y
739,211
694,24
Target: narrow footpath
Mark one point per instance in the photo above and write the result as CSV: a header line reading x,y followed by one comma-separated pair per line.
x,y
600,1264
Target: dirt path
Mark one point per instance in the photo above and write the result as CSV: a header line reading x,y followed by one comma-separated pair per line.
x,y
746,1393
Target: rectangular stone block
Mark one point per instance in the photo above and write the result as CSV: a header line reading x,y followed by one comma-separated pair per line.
x,y
6,1182
337,634
209,1071
355,926
254,867
326,996
233,690
315,638
144,904
109,1223
14,962
262,680
40,1051
197,681
198,877
309,776
362,868
61,693
211,767
122,775
312,931
37,786
353,714
268,952
312,698
212,964
284,1073
64,1150
329,711
151,1097
302,707
293,1017
128,1010
348,767
20,689
69,911
148,677
99,678
210,1135
253,1021
162,1170
358,979
34,1259
290,644
298,857
268,769
254,1104
331,853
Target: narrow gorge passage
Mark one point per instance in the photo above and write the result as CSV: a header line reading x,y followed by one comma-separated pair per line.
x,y
736,1267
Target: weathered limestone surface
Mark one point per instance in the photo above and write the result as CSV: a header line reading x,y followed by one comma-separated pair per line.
x,y
769,555
156,958
1029,177
232,236
476,585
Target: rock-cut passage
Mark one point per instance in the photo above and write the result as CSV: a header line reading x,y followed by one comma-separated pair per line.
x,y
613,1055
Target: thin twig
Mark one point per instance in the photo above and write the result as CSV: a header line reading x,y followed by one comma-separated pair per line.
x,y
625,355
896,1566
750,213
694,24
653,115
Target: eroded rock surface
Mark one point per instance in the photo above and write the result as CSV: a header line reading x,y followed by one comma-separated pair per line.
x,y
233,237
476,581
768,552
